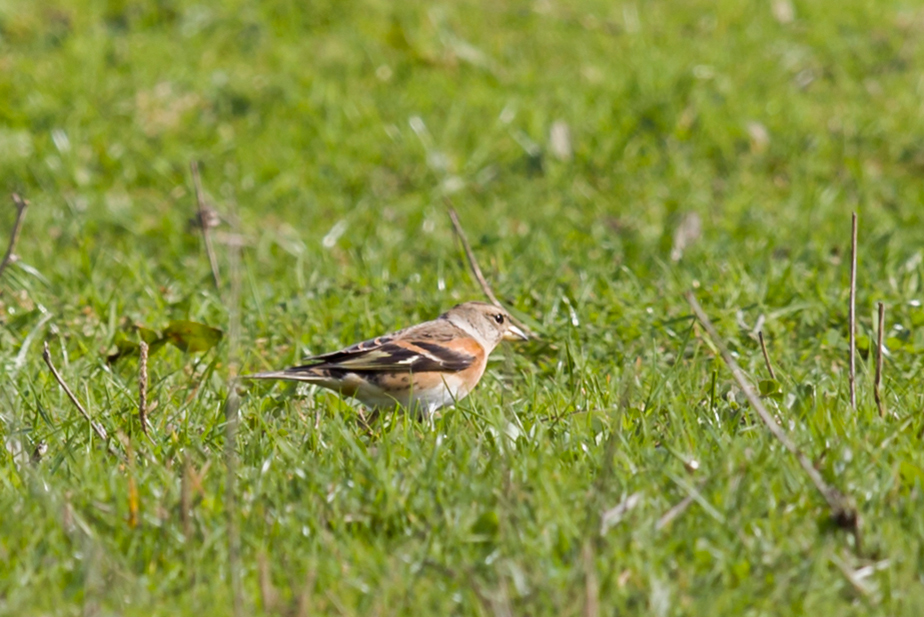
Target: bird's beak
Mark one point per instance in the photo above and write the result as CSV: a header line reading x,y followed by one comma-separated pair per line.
x,y
514,333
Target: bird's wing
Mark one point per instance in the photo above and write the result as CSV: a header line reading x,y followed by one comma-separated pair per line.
x,y
404,355
434,346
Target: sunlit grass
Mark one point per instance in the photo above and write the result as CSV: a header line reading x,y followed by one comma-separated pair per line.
x,y
718,147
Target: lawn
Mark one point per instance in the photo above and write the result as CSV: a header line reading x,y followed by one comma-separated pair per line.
x,y
605,159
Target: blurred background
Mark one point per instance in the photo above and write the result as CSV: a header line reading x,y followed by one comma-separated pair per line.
x,y
330,131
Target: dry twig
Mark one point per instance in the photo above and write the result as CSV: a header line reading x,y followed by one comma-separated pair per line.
x,y
206,221
852,312
476,270
843,513
97,428
878,381
143,387
21,205
763,349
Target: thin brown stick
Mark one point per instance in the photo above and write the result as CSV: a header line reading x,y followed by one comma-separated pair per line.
x,y
476,270
21,205
852,312
843,512
143,387
878,381
97,428
470,255
205,223
763,349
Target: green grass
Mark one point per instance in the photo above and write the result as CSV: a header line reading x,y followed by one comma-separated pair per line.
x,y
328,135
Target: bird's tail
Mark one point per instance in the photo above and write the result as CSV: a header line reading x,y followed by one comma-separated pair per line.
x,y
290,374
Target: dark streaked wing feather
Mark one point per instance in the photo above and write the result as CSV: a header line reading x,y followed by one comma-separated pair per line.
x,y
420,333
388,356
334,357
413,350
447,359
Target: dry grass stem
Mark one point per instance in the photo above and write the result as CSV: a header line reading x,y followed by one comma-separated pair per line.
x,y
591,584
303,602
206,221
852,312
97,428
470,255
613,516
668,517
21,205
877,383
269,596
476,270
763,349
855,581
143,387
843,512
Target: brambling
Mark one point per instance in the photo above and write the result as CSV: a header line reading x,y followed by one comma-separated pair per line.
x,y
421,368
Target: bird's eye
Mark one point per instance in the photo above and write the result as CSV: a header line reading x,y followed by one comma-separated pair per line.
x,y
499,318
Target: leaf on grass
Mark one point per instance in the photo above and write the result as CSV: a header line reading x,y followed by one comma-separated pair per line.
x,y
893,343
189,336
770,388
149,336
917,318
863,346
127,347
124,347
911,473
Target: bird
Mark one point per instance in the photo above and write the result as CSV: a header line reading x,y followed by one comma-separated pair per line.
x,y
422,368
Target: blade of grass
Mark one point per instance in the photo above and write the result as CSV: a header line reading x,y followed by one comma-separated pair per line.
x,y
843,513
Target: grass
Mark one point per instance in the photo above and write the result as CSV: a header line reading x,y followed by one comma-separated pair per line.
x,y
328,136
